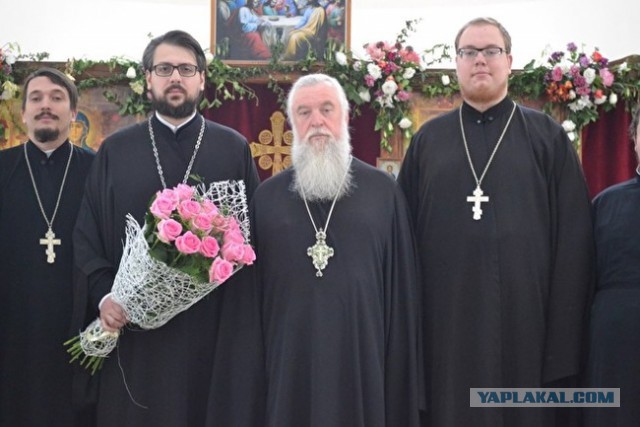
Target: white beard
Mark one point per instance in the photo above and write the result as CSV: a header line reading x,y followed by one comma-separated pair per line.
x,y
323,170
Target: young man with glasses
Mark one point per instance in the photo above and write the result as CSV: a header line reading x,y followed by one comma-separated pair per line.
x,y
160,377
503,226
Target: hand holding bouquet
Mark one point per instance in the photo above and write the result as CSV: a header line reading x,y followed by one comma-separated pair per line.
x,y
193,240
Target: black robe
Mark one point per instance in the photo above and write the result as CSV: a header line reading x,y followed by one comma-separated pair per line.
x,y
614,348
167,370
36,297
506,295
341,350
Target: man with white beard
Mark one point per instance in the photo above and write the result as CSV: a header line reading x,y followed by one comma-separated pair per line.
x,y
336,278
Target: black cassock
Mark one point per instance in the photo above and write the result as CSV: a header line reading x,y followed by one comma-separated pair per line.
x,y
504,296
341,349
36,297
167,370
614,348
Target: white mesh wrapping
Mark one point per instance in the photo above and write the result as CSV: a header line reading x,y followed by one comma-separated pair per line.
x,y
150,292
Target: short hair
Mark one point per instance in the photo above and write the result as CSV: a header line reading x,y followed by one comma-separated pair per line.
x,y
58,78
635,121
486,21
314,80
175,38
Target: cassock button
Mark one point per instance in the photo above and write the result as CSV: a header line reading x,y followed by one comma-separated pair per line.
x,y
490,118
43,162
479,121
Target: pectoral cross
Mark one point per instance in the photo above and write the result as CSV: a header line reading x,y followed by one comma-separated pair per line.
x,y
49,241
476,199
320,252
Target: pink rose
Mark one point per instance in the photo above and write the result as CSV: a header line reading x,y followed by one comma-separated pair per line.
x,y
232,251
209,247
607,77
202,222
184,192
162,207
219,222
168,230
249,255
220,270
209,207
557,74
188,209
170,194
234,236
188,243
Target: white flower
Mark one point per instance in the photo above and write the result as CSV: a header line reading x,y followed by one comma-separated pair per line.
x,y
445,80
580,103
572,94
572,136
405,123
131,73
341,58
5,95
357,66
613,99
389,87
408,73
208,57
600,100
374,71
10,58
137,87
365,95
70,77
568,126
623,67
589,75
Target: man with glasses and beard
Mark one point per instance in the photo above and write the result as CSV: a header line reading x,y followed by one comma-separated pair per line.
x,y
41,185
159,377
336,278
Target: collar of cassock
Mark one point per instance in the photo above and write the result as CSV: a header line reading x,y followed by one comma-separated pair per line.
x,y
175,128
471,115
49,156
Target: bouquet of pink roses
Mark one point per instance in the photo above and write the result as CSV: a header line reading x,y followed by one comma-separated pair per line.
x,y
193,240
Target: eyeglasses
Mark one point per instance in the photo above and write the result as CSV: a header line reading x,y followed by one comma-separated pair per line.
x,y
165,70
487,52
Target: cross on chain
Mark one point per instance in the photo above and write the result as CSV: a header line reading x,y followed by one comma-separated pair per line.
x,y
320,252
477,198
49,241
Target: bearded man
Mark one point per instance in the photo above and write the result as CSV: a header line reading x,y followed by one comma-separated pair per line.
x,y
159,377
336,278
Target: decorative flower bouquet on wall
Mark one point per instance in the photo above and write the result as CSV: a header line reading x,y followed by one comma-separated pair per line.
x,y
193,240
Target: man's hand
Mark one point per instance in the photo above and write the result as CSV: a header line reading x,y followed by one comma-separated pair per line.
x,y
112,316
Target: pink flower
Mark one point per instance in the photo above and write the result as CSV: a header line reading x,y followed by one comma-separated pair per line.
x,y
220,270
607,77
163,206
249,255
233,235
209,247
188,209
403,95
169,230
209,207
170,194
202,222
219,222
556,74
188,243
232,251
184,192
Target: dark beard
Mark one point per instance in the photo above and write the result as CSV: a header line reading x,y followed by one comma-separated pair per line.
x,y
181,111
46,134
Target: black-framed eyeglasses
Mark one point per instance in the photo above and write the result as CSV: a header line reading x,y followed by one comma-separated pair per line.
x,y
487,52
165,70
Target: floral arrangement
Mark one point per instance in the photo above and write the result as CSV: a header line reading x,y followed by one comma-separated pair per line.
x,y
580,84
384,78
192,242
8,89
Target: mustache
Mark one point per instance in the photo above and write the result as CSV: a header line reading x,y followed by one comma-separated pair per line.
x,y
175,86
46,114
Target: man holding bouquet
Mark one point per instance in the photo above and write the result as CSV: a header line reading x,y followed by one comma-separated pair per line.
x,y
161,376
336,278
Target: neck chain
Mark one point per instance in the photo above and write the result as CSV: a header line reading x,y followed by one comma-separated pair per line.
x,y
478,195
321,252
50,237
193,157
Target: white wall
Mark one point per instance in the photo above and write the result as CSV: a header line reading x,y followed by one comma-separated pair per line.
x,y
100,29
